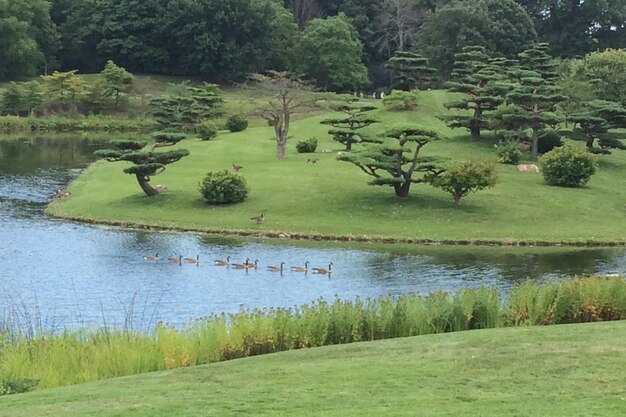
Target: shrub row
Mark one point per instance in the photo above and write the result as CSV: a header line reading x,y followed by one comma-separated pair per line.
x,y
15,124
74,357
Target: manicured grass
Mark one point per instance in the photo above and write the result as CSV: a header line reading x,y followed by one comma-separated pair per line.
x,y
333,197
568,370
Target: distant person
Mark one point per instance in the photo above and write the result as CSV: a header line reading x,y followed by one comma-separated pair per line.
x,y
382,95
374,95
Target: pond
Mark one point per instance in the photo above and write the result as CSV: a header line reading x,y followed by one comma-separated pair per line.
x,y
56,274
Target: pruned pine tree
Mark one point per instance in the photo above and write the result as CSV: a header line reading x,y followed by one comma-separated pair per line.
x,y
397,160
411,71
188,107
536,58
145,164
595,121
347,129
476,76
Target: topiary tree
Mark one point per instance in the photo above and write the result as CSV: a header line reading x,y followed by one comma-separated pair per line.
x,y
594,122
395,161
187,107
307,146
207,130
568,166
411,71
346,128
145,164
223,187
466,178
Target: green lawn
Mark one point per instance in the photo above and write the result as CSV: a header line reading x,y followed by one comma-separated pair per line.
x,y
333,197
567,370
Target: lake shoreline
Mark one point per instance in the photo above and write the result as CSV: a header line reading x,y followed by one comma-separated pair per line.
x,y
295,236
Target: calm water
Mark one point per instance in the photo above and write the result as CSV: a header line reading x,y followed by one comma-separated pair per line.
x,y
60,274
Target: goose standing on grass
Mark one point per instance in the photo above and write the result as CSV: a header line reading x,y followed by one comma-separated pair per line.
x,y
301,268
176,260
241,266
154,257
222,262
323,271
195,260
276,268
259,219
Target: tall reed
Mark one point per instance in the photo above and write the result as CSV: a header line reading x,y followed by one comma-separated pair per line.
x,y
77,356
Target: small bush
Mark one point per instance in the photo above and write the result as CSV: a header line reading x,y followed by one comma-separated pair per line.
x,y
466,178
508,151
236,123
207,130
568,166
223,187
548,141
17,385
399,100
14,124
307,146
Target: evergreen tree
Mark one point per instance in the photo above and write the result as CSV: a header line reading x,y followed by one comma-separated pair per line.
x,y
475,75
536,95
145,164
395,161
347,129
115,81
411,71
595,121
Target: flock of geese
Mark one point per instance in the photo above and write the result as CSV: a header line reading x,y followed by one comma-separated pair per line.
x,y
248,264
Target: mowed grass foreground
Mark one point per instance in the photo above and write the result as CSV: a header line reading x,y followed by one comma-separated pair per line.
x,y
565,370
333,197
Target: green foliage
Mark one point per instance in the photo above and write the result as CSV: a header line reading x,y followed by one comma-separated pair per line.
x,y
237,123
10,386
14,124
11,100
186,105
605,71
223,187
307,146
502,26
207,130
399,100
396,160
347,130
466,178
508,151
75,357
169,138
115,81
568,166
411,71
549,140
64,87
330,52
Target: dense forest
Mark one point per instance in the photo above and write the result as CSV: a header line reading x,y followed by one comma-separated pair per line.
x,y
343,44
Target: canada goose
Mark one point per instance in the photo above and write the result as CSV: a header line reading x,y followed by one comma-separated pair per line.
x,y
195,260
276,268
254,264
301,268
154,257
175,260
324,271
260,218
236,167
222,262
241,266
312,160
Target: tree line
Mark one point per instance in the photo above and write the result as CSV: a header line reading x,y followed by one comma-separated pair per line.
x,y
342,44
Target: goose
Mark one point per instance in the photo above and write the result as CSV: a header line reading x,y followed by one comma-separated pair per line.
x,y
236,167
324,271
254,264
260,218
222,262
154,257
276,268
312,161
301,268
195,260
241,266
175,260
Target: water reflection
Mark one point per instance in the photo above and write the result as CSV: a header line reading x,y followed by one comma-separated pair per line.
x,y
76,275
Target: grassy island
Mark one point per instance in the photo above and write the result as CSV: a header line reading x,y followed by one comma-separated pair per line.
x,y
333,198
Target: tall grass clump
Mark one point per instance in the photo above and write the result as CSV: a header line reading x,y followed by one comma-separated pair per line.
x,y
46,360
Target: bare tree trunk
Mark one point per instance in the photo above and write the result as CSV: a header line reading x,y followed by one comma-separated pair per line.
x,y
144,183
475,130
535,143
402,190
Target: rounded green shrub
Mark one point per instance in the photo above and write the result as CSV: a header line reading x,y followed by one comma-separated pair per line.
x,y
223,187
307,146
568,166
207,130
508,151
236,123
399,100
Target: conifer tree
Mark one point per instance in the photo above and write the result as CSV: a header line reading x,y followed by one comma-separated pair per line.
x,y
395,161
595,121
411,71
476,76
347,129
145,164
